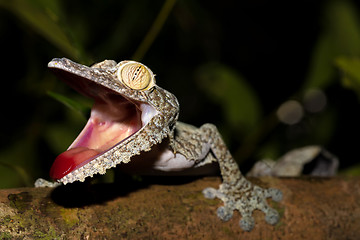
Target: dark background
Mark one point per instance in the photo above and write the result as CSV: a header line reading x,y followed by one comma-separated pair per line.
x,y
206,53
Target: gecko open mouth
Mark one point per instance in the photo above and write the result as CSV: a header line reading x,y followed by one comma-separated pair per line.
x,y
113,119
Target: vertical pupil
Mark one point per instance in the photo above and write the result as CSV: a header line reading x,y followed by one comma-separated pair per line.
x,y
137,71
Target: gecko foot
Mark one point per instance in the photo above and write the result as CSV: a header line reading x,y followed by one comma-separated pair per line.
x,y
245,200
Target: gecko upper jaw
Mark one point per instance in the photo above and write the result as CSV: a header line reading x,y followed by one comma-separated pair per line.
x,y
114,119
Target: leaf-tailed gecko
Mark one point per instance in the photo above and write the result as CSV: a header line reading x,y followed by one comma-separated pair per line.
x,y
131,115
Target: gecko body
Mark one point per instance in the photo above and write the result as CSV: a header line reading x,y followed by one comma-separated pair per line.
x,y
132,116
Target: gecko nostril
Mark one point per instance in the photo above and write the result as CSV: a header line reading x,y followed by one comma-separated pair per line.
x,y
101,123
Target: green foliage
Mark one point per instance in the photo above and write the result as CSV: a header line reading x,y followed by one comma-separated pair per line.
x,y
13,168
80,107
352,171
226,87
43,17
340,37
350,68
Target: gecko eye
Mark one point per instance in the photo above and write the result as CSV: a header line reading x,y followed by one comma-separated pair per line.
x,y
136,76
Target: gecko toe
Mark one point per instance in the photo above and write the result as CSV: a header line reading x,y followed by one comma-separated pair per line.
x,y
224,213
209,193
275,194
272,217
247,223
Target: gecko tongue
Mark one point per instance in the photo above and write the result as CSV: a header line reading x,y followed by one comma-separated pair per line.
x,y
110,123
71,160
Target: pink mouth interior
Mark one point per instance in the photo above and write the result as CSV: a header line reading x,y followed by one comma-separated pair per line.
x,y
113,119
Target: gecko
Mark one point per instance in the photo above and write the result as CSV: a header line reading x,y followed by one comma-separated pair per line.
x,y
132,117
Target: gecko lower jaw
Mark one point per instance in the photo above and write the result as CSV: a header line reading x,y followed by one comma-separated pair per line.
x,y
113,119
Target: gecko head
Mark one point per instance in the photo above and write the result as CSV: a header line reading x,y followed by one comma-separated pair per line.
x,y
130,114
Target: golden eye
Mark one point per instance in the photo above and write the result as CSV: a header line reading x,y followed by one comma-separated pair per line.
x,y
135,76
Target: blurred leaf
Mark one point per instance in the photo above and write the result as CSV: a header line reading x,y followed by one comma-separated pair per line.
x,y
351,72
82,108
59,136
124,30
322,126
343,26
227,88
341,37
17,164
10,179
154,30
321,72
352,171
43,18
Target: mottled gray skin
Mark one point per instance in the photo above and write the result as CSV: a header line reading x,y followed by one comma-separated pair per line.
x,y
201,146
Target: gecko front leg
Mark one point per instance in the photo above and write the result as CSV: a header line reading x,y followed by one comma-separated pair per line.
x,y
236,191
